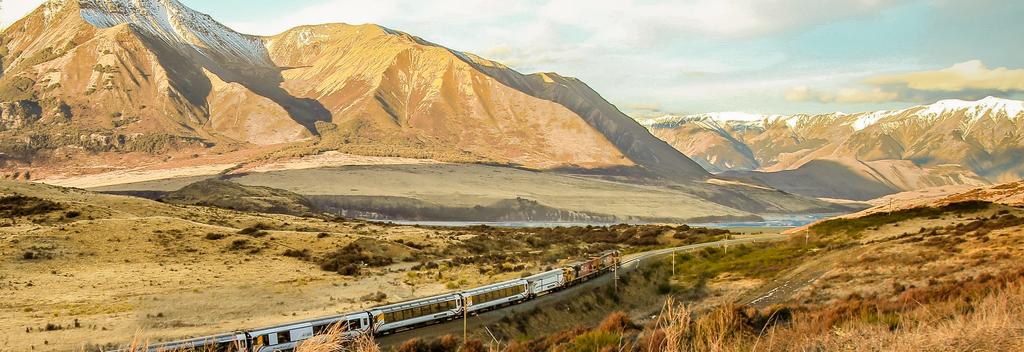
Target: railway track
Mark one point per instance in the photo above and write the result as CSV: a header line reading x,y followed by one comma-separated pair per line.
x,y
270,337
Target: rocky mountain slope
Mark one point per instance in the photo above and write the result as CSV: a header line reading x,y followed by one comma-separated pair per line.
x,y
156,78
947,143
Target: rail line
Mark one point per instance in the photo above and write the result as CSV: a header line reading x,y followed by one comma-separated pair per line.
x,y
401,317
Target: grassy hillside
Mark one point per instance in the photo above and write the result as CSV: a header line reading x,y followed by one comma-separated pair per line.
x,y
944,278
82,268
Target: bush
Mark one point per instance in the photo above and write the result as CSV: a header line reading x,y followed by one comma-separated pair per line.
x,y
254,230
375,297
295,253
213,236
664,288
18,206
595,341
349,259
414,345
473,346
616,322
239,244
446,343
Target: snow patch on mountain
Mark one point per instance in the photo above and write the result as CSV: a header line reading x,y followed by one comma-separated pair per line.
x,y
973,110
988,106
869,119
179,26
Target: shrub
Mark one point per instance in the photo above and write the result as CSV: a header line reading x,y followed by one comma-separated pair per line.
x,y
254,230
213,236
473,346
414,345
595,341
295,253
18,206
349,259
446,343
375,297
617,322
239,244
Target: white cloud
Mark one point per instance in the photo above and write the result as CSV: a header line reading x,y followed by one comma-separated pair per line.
x,y
968,80
970,75
843,96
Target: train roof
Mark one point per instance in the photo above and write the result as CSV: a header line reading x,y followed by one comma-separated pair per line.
x,y
543,274
331,318
199,341
497,285
441,297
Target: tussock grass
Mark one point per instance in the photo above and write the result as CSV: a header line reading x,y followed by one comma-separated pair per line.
x,y
857,225
982,314
332,340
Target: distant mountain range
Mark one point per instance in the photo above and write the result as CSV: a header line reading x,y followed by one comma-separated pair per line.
x,y
858,156
107,88
88,77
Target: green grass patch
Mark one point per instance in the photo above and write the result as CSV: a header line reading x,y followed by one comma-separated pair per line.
x,y
756,260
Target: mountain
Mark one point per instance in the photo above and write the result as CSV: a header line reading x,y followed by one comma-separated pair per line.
x,y
950,142
89,81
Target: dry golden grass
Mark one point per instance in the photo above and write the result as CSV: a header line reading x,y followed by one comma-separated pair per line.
x,y
332,340
984,315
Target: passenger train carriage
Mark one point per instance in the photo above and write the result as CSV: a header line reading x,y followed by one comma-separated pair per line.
x,y
405,315
285,338
496,295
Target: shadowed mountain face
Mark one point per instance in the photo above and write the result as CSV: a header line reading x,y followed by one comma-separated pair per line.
x,y
122,69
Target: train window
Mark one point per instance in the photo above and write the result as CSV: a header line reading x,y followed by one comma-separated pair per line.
x,y
283,337
320,329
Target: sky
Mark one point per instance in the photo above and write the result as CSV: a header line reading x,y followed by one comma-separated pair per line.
x,y
655,57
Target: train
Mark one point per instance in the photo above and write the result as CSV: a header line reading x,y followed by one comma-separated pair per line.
x,y
407,315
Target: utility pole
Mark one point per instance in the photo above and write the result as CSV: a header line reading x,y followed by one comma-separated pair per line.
x,y
615,273
465,319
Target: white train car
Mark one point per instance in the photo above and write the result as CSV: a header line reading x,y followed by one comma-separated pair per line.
x,y
404,315
286,338
233,342
546,282
495,295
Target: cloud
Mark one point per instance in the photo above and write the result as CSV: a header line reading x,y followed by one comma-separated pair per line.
x,y
854,95
965,76
966,80
843,96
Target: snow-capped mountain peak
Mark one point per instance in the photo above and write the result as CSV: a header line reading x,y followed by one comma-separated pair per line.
x,y
177,25
989,105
